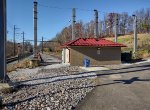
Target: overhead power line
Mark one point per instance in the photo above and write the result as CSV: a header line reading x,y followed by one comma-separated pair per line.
x,y
68,8
55,7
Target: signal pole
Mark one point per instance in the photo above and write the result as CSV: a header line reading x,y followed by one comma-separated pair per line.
x,y
73,22
135,33
35,27
96,23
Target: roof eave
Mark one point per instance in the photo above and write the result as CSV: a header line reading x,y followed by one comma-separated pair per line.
x,y
91,46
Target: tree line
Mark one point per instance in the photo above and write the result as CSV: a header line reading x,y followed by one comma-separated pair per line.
x,y
106,26
10,48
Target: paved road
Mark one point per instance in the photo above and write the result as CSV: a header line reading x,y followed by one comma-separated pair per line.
x,y
120,89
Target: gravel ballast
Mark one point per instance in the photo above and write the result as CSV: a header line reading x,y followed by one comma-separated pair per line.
x,y
49,88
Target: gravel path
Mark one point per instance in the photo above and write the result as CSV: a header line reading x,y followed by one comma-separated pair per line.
x,y
52,87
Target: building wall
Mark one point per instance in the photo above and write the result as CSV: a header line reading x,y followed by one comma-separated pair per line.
x,y
108,55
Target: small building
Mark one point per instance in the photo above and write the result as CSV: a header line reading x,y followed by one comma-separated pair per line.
x,y
98,51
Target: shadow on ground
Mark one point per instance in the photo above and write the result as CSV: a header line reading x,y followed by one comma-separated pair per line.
x,y
128,81
104,73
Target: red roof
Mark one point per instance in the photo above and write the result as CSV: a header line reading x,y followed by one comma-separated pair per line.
x,y
92,42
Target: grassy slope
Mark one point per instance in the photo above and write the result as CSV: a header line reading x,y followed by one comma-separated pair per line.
x,y
143,44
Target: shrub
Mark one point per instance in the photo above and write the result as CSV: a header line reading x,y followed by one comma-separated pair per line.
x,y
22,64
141,54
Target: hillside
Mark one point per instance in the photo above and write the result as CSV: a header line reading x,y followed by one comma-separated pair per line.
x,y
143,44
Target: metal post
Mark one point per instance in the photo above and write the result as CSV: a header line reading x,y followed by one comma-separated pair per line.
x,y
116,27
19,52
42,44
3,40
96,23
100,28
135,34
35,28
23,43
73,22
104,25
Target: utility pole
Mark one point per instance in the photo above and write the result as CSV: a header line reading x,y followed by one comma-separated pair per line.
x,y
100,28
3,76
35,27
19,51
135,33
23,42
73,23
116,27
104,25
96,23
14,40
42,44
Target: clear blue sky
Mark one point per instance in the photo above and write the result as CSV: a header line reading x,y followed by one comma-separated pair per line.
x,y
52,20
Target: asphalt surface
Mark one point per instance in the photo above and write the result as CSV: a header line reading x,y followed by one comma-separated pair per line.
x,y
120,89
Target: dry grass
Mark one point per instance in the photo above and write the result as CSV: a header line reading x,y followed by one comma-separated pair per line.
x,y
143,44
5,88
22,64
128,40
55,54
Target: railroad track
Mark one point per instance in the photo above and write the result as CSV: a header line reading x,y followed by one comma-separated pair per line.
x,y
9,60
12,59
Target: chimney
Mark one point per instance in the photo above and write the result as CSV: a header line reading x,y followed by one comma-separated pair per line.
x,y
73,22
96,24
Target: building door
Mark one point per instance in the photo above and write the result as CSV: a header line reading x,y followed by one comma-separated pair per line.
x,y
63,55
67,55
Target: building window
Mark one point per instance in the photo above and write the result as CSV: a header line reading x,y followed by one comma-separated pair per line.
x,y
98,51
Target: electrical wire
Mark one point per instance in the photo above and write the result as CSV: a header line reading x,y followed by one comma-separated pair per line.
x,y
69,8
55,7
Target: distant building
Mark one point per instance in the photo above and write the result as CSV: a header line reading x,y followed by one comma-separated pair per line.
x,y
98,51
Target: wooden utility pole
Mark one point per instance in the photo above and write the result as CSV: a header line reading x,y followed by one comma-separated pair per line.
x,y
35,27
96,23
73,22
